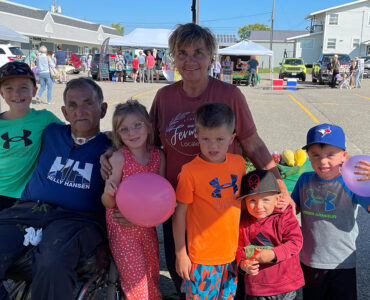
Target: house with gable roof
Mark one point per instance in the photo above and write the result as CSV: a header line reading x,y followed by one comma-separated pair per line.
x,y
343,29
51,29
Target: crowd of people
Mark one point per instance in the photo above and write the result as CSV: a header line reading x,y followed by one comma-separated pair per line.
x,y
232,236
224,68
355,72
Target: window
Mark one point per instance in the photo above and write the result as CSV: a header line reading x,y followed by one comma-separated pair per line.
x,y
355,43
331,43
333,19
2,51
307,43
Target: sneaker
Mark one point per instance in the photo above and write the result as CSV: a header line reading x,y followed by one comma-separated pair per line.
x,y
38,100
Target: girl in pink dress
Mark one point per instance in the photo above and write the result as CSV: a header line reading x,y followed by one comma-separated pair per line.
x,y
135,249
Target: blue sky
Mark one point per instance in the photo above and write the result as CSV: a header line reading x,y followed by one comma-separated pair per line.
x,y
221,16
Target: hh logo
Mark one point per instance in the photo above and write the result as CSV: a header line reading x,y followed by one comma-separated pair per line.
x,y
217,191
71,173
328,200
14,139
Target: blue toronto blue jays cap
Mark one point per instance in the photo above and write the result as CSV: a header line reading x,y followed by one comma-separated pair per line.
x,y
326,134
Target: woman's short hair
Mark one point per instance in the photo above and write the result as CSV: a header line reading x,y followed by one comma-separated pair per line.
x,y
186,34
132,106
43,49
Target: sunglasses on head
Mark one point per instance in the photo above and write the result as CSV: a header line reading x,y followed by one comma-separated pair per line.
x,y
15,68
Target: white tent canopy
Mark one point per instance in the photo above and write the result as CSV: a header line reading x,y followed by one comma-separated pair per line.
x,y
248,48
245,48
143,38
7,34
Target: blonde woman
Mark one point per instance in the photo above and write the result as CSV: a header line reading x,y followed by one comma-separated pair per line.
x,y
43,62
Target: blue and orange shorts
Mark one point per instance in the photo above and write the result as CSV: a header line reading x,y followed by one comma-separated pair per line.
x,y
211,282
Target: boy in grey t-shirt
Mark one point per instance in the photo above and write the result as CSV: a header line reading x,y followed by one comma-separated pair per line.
x,y
329,211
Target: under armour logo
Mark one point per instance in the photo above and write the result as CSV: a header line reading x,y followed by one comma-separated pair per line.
x,y
26,134
217,191
329,205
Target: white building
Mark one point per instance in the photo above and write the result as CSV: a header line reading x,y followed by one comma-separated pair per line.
x,y
343,29
52,29
280,45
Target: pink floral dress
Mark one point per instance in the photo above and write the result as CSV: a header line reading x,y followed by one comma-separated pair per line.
x,y
135,249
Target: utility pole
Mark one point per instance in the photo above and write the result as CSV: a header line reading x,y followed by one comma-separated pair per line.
x,y
193,11
198,11
272,30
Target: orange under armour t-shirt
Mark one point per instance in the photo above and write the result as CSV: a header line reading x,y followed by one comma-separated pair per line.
x,y
212,219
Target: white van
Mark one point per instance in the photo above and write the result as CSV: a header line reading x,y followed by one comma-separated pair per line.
x,y
8,53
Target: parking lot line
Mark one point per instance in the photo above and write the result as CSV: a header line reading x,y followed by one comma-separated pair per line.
x,y
358,95
305,109
133,97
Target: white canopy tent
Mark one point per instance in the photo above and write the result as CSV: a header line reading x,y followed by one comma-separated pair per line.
x,y
247,48
144,38
8,34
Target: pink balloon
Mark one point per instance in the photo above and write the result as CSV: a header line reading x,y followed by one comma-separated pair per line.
x,y
146,199
361,188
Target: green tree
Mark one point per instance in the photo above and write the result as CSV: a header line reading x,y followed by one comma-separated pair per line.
x,y
245,31
119,28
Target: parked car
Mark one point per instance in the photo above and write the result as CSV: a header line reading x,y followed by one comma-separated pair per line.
x,y
320,70
292,68
8,53
109,59
367,66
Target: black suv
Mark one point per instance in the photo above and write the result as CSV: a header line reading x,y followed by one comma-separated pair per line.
x,y
320,70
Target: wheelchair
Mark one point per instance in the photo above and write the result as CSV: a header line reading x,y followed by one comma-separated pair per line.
x,y
94,273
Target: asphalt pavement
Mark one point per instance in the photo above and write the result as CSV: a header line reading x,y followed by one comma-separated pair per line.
x,y
282,119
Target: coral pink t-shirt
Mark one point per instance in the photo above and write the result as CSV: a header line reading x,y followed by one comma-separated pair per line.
x,y
150,61
172,115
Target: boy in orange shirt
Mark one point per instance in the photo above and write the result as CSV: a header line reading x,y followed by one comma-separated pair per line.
x,y
208,209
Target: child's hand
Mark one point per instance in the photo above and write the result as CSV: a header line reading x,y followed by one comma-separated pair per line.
x,y
105,166
250,266
183,266
284,200
110,188
365,166
118,218
265,256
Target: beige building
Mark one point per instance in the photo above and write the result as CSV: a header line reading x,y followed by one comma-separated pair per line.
x,y
51,29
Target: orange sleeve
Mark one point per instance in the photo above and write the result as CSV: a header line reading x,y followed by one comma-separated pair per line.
x,y
185,187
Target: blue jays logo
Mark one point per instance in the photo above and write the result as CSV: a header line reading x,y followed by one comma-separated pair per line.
x,y
14,139
217,191
324,131
328,201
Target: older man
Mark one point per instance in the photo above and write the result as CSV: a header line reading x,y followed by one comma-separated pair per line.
x,y
62,197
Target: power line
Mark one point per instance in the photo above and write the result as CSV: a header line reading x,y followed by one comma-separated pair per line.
x,y
233,18
177,21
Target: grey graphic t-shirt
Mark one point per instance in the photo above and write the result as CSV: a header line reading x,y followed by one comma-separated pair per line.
x,y
328,211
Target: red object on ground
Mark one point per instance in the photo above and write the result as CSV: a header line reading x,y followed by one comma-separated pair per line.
x,y
76,62
276,156
277,84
